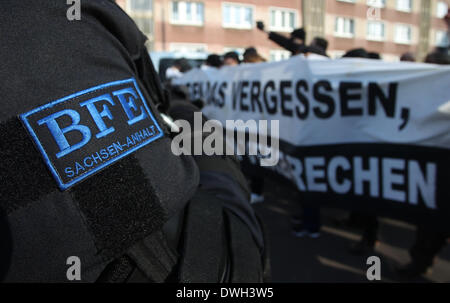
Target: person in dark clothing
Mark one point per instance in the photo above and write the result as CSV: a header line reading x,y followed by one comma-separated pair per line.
x,y
231,59
214,60
373,55
308,223
178,68
429,241
356,53
408,57
250,51
310,49
298,36
88,172
438,57
183,64
320,44
368,223
295,43
369,237
251,55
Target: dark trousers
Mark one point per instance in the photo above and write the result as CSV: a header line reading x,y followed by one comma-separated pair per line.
x,y
370,230
369,225
427,245
257,185
311,218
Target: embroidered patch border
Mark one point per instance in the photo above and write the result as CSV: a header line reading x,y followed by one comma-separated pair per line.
x,y
107,135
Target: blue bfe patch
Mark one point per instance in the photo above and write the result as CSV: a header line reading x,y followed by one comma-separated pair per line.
x,y
83,133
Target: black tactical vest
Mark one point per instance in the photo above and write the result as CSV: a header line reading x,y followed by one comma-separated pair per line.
x,y
86,166
87,169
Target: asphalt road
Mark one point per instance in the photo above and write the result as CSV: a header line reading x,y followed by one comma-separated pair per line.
x,y
327,259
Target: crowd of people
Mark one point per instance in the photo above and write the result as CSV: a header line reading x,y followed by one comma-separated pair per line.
x,y
295,44
231,58
307,223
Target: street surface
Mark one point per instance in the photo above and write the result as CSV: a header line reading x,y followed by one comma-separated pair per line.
x,y
327,259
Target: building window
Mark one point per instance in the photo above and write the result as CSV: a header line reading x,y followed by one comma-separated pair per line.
x,y
403,34
237,16
441,9
344,27
376,3
141,5
375,30
145,24
282,20
404,5
187,47
187,13
442,39
278,55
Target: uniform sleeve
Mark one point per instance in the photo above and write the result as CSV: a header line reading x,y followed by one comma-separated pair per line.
x,y
54,69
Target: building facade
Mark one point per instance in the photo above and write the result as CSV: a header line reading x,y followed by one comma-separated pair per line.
x,y
388,27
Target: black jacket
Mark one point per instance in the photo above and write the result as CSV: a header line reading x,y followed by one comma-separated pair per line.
x,y
46,58
286,43
86,163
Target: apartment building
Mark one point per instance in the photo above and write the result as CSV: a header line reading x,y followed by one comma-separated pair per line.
x,y
142,12
389,27
216,26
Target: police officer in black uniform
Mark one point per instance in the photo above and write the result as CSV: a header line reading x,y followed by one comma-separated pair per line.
x,y
87,169
295,43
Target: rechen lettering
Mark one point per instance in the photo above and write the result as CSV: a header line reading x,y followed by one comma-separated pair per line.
x,y
392,179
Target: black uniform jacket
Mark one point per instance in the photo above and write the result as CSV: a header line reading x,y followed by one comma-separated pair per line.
x,y
86,162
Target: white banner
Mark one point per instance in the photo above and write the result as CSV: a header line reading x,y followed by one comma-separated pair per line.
x,y
351,130
329,101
